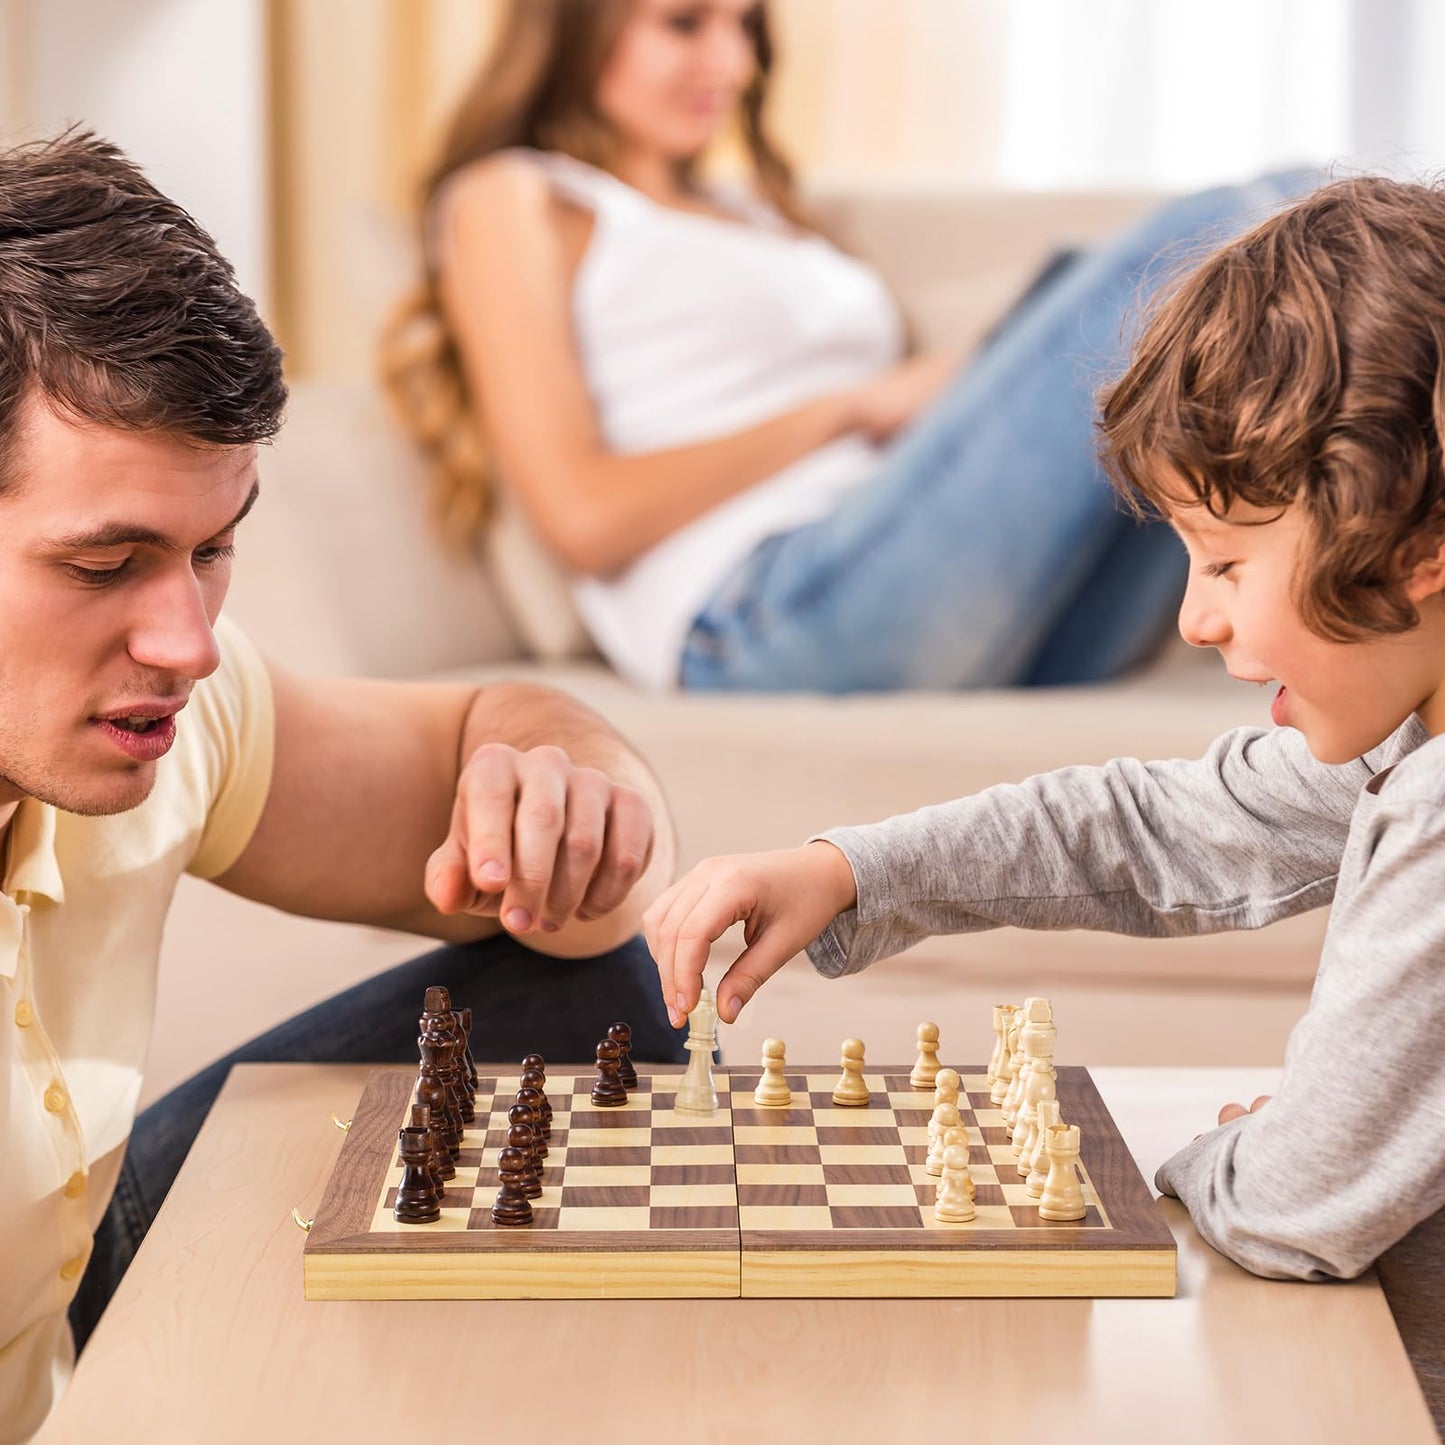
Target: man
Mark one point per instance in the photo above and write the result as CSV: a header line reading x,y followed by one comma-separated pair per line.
x,y
142,736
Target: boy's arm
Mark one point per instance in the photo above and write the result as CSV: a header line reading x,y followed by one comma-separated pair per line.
x,y
1349,1155
1247,834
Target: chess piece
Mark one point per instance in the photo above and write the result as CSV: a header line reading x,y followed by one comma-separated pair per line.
x,y
512,1205
523,1112
851,1092
772,1091
954,1201
1003,1075
537,1079
1039,1158
533,1098
421,1119
1000,1023
521,1138
440,1022
1040,1080
946,1087
1063,1196
1017,1068
696,1090
464,1018
432,1091
925,1067
416,1198
959,1137
945,1117
608,1090
621,1035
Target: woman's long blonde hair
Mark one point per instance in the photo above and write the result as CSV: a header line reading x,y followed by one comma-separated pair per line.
x,y
535,89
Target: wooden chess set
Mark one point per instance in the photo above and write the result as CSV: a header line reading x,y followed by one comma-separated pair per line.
x,y
713,1182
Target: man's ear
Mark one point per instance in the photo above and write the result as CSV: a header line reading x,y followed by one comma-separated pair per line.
x,y
1427,575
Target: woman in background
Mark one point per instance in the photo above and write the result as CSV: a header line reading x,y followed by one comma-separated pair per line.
x,y
705,410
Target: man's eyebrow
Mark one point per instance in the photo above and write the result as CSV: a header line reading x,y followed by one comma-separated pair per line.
x,y
122,534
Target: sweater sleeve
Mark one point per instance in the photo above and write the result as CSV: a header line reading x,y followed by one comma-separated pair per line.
x,y
1350,1154
1247,834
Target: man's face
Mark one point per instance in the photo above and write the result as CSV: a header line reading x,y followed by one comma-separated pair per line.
x,y
1345,697
114,560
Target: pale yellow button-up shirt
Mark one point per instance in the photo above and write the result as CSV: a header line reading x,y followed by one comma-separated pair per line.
x,y
82,905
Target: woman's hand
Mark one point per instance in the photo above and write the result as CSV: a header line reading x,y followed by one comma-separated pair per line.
x,y
885,405
785,899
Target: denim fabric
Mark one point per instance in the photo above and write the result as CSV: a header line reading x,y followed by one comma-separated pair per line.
x,y
522,1002
990,550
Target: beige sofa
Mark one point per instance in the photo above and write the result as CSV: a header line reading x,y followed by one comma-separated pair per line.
x,y
337,573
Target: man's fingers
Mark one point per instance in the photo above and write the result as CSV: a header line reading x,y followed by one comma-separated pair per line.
x,y
448,884
626,852
537,825
484,816
581,847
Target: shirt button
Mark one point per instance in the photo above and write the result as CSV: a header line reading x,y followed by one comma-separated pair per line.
x,y
75,1186
24,1013
55,1100
71,1268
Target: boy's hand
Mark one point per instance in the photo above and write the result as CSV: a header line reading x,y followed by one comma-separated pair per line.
x,y
785,899
1238,1111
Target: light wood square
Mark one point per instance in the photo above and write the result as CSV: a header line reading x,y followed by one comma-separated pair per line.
x,y
802,1216
686,1195
871,1195
774,1134
692,1154
860,1154
780,1174
453,1218
974,1083
581,1218
1003,1156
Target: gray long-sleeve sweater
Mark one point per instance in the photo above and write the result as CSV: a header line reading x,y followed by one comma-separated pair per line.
x,y
1346,1165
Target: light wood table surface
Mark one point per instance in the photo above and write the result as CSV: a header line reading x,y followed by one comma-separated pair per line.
x,y
209,1339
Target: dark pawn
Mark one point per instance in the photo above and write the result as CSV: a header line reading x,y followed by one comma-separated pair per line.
x,y
416,1199
523,1113
608,1091
621,1035
421,1119
512,1205
521,1137
533,1100
537,1062
535,1079
464,1017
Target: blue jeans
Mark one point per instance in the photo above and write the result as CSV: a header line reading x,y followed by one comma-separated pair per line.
x,y
522,1002
989,550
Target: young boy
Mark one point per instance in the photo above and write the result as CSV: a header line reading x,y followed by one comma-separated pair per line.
x,y
1284,410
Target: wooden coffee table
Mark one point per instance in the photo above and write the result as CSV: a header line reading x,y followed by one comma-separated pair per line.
x,y
209,1337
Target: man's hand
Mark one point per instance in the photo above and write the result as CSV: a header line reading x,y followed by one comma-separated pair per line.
x,y
536,841
785,900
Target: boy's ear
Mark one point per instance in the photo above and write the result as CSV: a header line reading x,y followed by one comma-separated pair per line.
x,y
1427,576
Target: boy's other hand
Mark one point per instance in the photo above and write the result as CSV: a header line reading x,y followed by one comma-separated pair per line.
x,y
885,405
784,899
1238,1111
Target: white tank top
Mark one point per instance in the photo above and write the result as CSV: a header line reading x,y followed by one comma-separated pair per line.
x,y
691,327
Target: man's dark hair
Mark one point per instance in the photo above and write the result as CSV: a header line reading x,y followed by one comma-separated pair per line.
x,y
116,307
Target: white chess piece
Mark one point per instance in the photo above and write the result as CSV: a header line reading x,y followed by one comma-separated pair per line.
x,y
946,1086
851,1092
954,1201
925,1067
696,1092
772,1091
1063,1196
1040,1080
1018,1068
1001,1012
1003,1076
1039,1158
945,1117
958,1136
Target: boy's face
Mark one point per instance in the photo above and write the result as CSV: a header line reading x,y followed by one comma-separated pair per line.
x,y
114,560
1345,697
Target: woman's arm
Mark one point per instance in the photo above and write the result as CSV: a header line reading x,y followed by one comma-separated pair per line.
x,y
506,285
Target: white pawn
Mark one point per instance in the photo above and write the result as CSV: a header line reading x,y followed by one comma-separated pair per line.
x,y
772,1091
1039,1158
958,1136
945,1117
945,1087
925,1068
1063,1196
954,1203
851,1092
1040,1080
1021,1063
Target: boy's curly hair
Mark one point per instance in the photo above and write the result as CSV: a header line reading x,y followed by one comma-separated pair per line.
x,y
1305,361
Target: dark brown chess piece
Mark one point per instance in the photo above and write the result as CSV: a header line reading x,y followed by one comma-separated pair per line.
x,y
432,1091
537,1062
608,1090
464,1018
512,1205
440,1020
536,1079
421,1119
520,1136
533,1099
416,1199
523,1113
621,1035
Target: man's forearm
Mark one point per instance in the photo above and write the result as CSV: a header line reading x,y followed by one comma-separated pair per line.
x,y
524,716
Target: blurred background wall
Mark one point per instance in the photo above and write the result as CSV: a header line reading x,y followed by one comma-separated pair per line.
x,y
294,129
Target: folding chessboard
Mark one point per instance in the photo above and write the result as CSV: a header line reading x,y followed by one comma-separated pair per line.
x,y
814,1200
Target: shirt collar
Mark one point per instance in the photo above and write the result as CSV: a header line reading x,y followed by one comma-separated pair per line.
x,y
33,871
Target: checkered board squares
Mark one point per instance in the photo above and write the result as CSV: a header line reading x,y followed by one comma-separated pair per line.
x,y
814,1199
